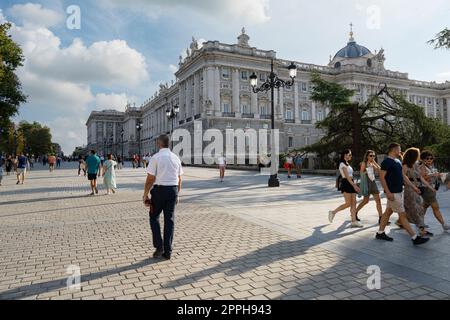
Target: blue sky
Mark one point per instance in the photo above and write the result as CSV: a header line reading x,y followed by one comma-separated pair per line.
x,y
124,49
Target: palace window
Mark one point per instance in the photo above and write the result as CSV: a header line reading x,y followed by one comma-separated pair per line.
x,y
263,110
304,89
226,107
306,141
289,114
320,115
225,73
290,142
305,115
244,75
262,77
245,109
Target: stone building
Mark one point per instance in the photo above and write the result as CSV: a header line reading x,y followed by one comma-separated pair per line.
x,y
213,86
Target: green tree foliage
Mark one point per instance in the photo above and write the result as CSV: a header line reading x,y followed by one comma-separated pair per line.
x,y
442,40
384,118
11,95
37,138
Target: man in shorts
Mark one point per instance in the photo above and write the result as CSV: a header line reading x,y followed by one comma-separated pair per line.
x,y
93,167
22,163
392,180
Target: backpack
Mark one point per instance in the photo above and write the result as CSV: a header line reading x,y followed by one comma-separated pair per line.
x,y
339,182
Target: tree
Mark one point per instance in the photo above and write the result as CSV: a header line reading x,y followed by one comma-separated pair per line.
x,y
37,138
384,118
11,96
441,40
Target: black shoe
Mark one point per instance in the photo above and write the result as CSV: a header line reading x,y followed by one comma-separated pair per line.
x,y
384,236
166,256
419,240
158,254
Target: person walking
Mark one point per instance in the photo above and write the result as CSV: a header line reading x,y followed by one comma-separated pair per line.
x,y
8,165
368,186
164,180
298,161
221,161
289,164
133,161
32,160
58,162
429,196
392,179
51,162
81,166
109,174
22,163
93,167
348,188
119,163
2,162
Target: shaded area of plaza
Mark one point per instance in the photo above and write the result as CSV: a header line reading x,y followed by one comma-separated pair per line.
x,y
236,240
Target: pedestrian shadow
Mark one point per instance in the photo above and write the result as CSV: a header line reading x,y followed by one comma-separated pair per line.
x,y
270,254
58,284
42,200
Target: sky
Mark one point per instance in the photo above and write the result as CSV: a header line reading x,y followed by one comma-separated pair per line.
x,y
122,50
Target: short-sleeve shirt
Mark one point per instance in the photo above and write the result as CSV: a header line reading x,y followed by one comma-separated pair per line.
x,y
166,167
52,159
289,160
22,162
93,163
349,170
221,161
394,174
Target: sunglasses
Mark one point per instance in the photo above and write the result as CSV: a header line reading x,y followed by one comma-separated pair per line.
x,y
371,156
430,159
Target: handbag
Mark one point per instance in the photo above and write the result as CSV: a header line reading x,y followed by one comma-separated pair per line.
x,y
339,183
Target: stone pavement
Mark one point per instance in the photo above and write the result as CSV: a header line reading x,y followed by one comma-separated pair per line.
x,y
236,240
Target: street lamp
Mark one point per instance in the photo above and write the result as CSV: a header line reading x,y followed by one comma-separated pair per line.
x,y
172,114
121,140
272,83
139,126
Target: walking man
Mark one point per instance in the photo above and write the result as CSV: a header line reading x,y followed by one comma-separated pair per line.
x,y
392,180
22,163
93,167
164,180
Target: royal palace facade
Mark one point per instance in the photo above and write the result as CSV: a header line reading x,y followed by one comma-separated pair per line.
x,y
213,86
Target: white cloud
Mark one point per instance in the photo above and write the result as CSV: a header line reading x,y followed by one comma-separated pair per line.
x,y
443,76
2,17
58,80
251,11
111,101
33,14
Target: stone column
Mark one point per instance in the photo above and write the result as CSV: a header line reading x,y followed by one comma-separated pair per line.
x,y
196,107
217,107
205,90
254,103
281,102
296,104
236,91
313,113
448,111
434,108
182,98
188,97
210,90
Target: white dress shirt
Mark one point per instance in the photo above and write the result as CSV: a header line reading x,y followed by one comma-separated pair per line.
x,y
166,167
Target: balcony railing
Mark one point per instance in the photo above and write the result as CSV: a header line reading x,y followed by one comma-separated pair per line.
x,y
306,122
289,121
265,116
197,116
189,119
228,114
182,122
248,116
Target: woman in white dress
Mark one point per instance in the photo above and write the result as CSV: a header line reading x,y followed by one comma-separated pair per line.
x,y
109,175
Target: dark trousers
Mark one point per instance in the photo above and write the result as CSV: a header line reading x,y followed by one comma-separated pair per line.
x,y
163,200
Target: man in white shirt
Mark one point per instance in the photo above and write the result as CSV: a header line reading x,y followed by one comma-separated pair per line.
x,y
164,180
221,161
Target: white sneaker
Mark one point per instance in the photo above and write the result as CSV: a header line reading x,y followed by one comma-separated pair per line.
x,y
356,224
331,216
446,227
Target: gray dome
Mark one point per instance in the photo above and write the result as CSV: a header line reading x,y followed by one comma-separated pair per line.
x,y
352,50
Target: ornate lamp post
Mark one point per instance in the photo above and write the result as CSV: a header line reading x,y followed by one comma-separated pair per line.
x,y
172,114
139,126
121,141
272,83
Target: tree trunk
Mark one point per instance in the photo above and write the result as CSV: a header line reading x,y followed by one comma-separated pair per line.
x,y
357,147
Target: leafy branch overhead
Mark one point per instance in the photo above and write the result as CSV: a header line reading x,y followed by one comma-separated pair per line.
x,y
442,39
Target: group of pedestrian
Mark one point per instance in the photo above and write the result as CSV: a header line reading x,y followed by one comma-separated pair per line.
x,y
409,181
294,161
15,164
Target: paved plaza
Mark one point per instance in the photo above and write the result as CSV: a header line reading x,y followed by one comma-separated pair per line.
x,y
233,240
